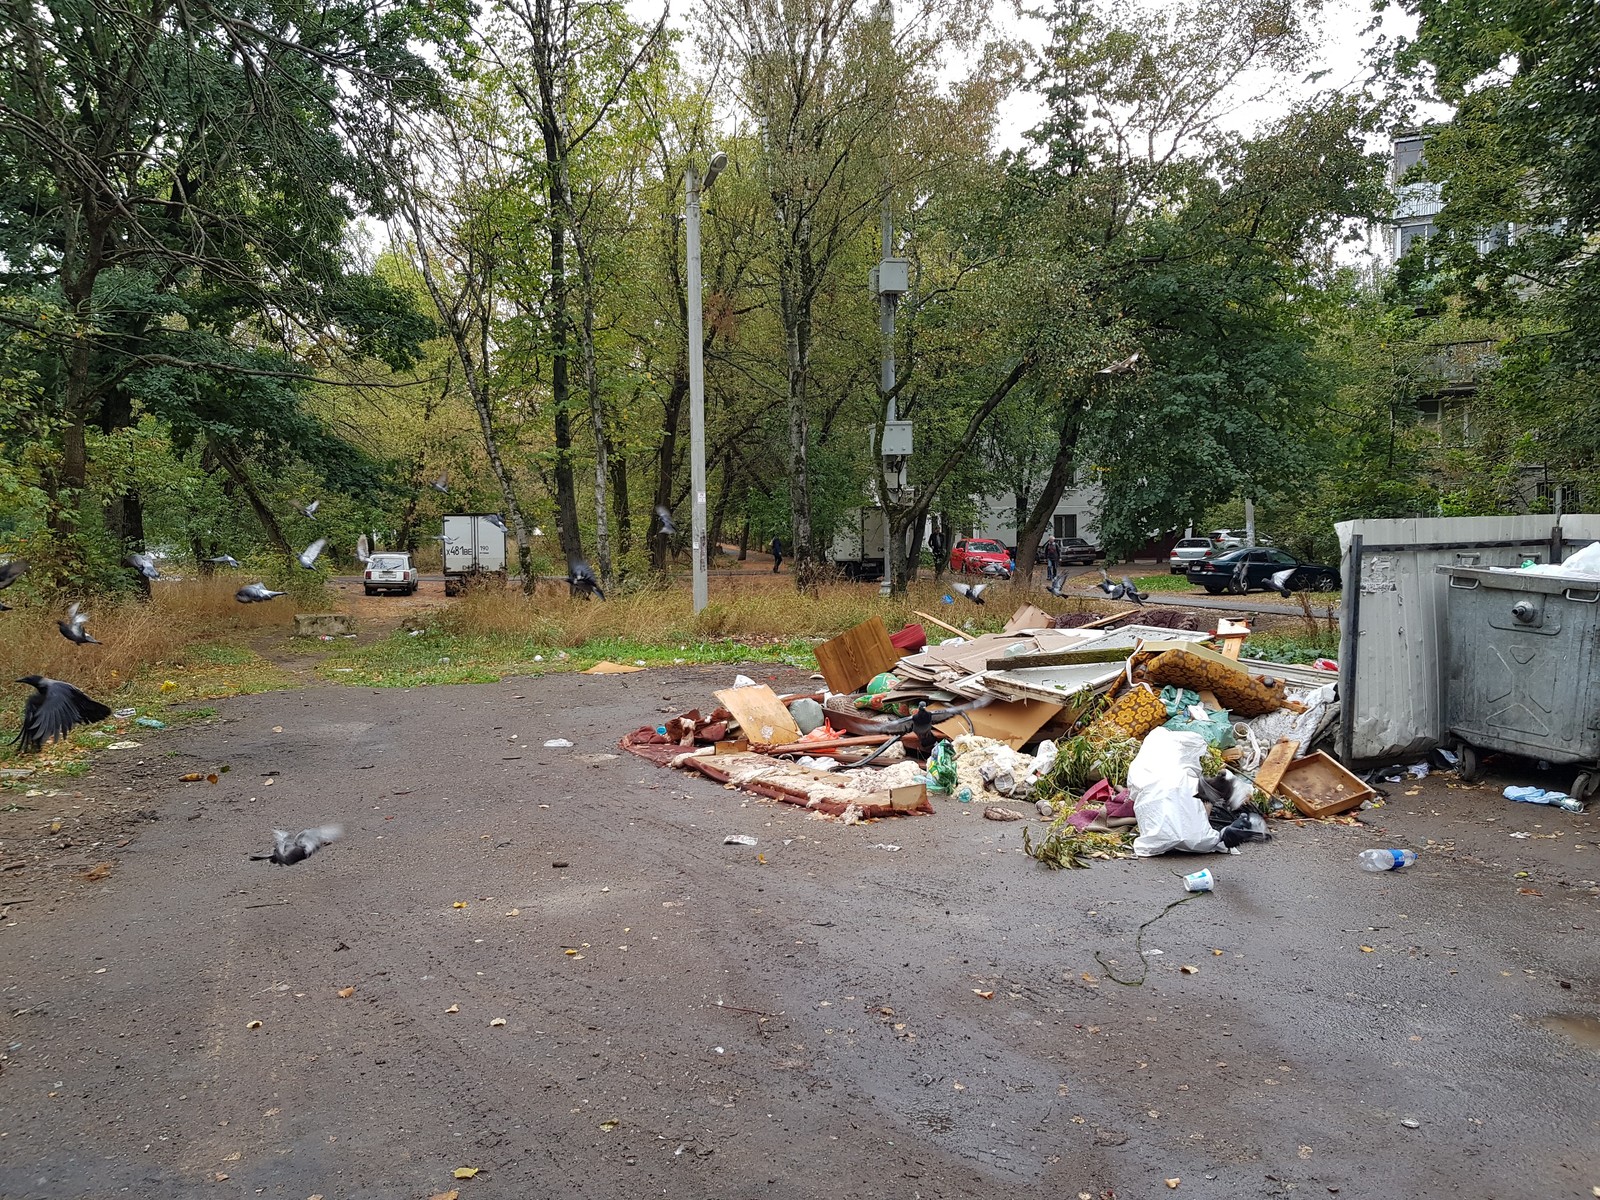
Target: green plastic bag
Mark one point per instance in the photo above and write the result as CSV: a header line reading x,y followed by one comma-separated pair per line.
x,y
1217,728
942,768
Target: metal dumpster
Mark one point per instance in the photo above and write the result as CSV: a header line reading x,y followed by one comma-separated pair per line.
x,y
1522,668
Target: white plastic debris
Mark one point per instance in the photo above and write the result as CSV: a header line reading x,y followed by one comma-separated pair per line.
x,y
883,846
738,839
558,744
740,681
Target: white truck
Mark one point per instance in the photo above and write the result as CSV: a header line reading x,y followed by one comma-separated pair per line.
x,y
859,543
474,550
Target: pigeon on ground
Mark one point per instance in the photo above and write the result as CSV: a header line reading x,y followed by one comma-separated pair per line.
x,y
1278,581
363,554
664,515
1129,592
73,627
11,571
972,591
442,485
253,593
53,710
308,557
226,560
143,564
289,849
310,510
580,578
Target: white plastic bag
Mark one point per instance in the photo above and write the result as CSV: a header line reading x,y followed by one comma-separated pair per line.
x,y
1164,781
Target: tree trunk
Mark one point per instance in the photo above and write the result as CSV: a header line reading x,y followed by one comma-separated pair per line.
x,y
797,350
744,539
1060,478
618,465
666,454
567,529
229,458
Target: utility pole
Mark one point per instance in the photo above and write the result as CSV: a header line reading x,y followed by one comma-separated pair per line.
x,y
891,280
1250,523
693,189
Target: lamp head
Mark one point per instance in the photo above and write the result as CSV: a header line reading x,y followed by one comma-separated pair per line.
x,y
714,168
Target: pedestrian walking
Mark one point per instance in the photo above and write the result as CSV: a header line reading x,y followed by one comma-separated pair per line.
x,y
936,548
777,554
1052,558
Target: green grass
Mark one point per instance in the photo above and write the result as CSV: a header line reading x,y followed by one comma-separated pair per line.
x,y
440,657
1165,582
1292,646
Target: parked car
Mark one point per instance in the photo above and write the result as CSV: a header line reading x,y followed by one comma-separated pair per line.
x,y
980,556
1242,571
1187,551
1235,539
1076,552
389,572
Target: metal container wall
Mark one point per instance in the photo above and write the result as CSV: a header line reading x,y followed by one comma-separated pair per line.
x,y
1520,662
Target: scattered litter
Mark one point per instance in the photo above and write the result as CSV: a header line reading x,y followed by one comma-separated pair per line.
x,y
1411,1123
740,681
883,846
467,1172
124,746
1199,881
611,668
558,744
1386,860
995,812
1537,795
497,1022
124,712
738,839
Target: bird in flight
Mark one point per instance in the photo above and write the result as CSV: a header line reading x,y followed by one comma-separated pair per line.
x,y
664,515
253,593
363,554
1129,592
52,712
226,560
972,591
11,571
308,556
310,510
580,578
289,849
1279,581
73,627
143,564
442,484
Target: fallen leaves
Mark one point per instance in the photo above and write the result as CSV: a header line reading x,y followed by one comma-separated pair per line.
x,y
610,1124
454,1008
1529,892
346,992
465,1172
498,1021
1173,1182
1189,970
1366,949
985,995
459,904
452,1194
96,873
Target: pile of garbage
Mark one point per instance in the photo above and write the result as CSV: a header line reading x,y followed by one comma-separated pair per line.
x,y
1140,740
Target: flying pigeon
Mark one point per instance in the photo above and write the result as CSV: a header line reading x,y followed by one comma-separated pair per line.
x,y
1130,592
442,484
1241,578
1057,586
308,557
52,711
289,849
363,554
972,591
73,627
143,564
443,538
252,593
580,578
11,571
494,519
1105,584
1125,367
310,510
664,515
226,560
1278,581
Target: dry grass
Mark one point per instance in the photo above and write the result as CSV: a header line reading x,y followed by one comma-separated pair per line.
x,y
138,639
739,610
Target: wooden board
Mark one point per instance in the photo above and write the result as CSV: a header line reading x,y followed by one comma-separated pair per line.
x,y
850,660
761,715
1270,773
961,633
1319,787
1013,722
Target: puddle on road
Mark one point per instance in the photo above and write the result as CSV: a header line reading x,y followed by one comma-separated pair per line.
x,y
1585,1031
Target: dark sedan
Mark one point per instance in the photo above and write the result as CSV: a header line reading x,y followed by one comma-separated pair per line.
x,y
1241,571
1074,552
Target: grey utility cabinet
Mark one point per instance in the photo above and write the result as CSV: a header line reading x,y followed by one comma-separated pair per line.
x,y
1522,668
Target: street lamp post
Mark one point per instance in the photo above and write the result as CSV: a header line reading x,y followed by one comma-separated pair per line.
x,y
693,187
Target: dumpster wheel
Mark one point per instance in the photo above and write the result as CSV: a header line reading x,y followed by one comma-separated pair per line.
x,y
1583,787
1467,768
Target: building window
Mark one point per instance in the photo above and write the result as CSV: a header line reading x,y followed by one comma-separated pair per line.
x,y
1407,154
1411,233
1546,491
1066,525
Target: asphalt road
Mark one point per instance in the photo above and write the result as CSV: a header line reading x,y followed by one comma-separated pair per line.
x,y
683,1019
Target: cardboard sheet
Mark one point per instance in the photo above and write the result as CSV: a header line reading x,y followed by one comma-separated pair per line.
x,y
1013,722
605,667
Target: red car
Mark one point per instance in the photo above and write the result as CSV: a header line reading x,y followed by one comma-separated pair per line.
x,y
980,556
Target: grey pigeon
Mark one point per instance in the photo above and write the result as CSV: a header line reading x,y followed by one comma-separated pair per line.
x,y
664,515
73,627
494,519
972,591
308,557
363,554
580,578
1105,584
226,560
442,485
1129,592
1125,367
288,850
11,571
1278,581
310,510
52,711
143,564
254,593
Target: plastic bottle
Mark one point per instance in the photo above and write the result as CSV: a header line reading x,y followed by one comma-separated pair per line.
x,y
1386,860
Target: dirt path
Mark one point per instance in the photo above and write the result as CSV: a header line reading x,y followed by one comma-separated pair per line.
x,y
682,1019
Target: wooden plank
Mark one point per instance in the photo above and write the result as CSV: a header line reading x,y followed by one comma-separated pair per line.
x,y
961,633
1270,773
866,740
1061,658
761,715
850,660
1099,621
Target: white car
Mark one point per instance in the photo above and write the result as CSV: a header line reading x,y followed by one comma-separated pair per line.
x,y
1187,551
389,572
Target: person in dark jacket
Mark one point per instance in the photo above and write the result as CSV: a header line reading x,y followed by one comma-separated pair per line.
x,y
1052,558
777,554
